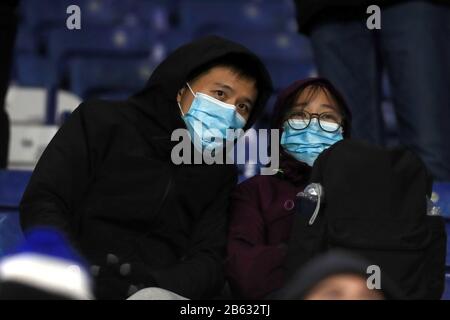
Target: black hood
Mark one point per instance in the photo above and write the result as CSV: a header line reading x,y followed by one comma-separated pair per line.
x,y
158,98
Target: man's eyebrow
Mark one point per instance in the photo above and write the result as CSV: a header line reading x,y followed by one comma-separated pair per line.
x,y
224,86
249,101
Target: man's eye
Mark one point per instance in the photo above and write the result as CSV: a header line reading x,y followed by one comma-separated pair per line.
x,y
243,107
220,93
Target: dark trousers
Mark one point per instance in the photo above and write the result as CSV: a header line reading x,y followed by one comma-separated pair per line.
x,y
413,46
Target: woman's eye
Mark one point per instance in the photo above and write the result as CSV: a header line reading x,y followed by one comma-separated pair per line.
x,y
298,115
330,117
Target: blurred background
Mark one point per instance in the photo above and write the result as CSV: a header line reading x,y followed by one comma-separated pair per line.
x,y
119,45
53,69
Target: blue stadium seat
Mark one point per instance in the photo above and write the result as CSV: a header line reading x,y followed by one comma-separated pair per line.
x,y
174,39
46,14
441,193
101,42
154,14
94,77
30,67
448,243
270,45
10,231
31,70
102,12
285,72
446,295
40,14
12,186
26,41
43,16
198,15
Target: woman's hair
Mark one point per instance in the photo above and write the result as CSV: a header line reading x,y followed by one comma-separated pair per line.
x,y
313,90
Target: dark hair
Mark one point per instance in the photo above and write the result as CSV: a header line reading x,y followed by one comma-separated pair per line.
x,y
242,64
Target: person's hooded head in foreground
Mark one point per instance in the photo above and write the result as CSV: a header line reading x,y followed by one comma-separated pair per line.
x,y
339,275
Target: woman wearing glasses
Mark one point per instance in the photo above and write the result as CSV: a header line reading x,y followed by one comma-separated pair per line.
x,y
311,116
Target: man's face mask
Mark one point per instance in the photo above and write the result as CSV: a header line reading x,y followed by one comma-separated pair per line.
x,y
208,120
305,145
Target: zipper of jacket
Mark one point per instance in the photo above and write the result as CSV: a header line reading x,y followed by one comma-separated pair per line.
x,y
166,193
314,192
163,199
315,213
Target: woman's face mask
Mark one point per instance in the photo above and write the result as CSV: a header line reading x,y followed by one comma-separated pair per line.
x,y
208,120
305,145
313,125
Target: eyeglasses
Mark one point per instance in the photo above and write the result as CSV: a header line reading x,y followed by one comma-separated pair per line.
x,y
329,122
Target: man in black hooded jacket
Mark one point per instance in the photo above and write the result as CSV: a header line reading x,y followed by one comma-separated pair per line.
x,y
107,180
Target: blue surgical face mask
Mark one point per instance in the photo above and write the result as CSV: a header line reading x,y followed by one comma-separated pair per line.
x,y
306,145
208,120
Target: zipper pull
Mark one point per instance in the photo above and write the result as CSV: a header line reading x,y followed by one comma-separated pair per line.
x,y
314,193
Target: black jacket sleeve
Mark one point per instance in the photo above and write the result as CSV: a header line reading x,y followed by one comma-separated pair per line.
x,y
60,178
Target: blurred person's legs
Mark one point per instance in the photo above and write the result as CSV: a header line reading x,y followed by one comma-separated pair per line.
x,y
346,53
8,28
415,42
